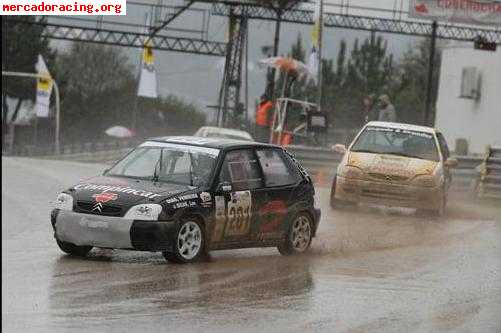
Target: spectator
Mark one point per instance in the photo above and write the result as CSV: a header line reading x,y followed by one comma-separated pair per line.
x,y
387,110
370,113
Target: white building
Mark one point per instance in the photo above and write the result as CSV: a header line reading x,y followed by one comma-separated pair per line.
x,y
469,97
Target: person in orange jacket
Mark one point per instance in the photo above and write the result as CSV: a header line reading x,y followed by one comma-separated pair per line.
x,y
263,113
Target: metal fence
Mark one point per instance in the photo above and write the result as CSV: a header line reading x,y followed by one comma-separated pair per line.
x,y
490,174
321,163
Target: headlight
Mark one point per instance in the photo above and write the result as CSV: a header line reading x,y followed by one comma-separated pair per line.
x,y
64,201
147,212
425,181
351,172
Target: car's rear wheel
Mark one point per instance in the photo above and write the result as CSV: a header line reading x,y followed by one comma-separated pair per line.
x,y
189,243
299,237
72,249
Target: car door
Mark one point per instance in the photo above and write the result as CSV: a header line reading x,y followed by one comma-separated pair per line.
x,y
275,202
234,207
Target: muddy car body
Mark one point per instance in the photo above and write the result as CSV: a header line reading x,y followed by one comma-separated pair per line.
x,y
395,165
185,196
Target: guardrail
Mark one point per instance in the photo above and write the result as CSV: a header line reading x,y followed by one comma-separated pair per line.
x,y
489,185
321,163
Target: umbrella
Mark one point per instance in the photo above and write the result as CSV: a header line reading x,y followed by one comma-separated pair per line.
x,y
120,132
287,65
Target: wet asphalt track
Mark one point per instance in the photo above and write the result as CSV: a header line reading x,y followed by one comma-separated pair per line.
x,y
370,270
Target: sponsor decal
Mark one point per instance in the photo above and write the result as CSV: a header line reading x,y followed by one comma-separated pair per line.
x,y
220,218
102,198
205,196
272,215
120,189
184,204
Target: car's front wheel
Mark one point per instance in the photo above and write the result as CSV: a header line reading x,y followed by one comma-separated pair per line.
x,y
189,243
336,203
299,237
72,249
438,212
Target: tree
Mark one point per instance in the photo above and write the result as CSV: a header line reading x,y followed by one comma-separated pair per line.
x,y
410,96
369,70
97,89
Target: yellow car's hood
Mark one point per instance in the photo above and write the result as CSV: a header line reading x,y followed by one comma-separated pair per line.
x,y
391,165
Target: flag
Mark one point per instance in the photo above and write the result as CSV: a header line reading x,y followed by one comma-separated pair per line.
x,y
315,38
148,77
315,33
44,88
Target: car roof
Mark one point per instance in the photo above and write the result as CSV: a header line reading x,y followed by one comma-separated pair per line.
x,y
225,130
402,126
218,143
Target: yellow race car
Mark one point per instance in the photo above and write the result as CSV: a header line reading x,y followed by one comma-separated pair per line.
x,y
394,164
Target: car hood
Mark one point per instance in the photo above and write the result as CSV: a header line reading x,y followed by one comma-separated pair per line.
x,y
382,164
125,192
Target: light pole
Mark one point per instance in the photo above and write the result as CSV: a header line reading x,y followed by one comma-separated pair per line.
x,y
56,93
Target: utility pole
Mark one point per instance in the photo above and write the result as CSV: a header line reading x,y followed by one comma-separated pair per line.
x,y
320,37
429,87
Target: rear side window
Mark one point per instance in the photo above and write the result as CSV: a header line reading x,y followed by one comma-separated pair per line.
x,y
276,172
241,169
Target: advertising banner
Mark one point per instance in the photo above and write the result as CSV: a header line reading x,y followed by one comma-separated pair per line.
x,y
457,11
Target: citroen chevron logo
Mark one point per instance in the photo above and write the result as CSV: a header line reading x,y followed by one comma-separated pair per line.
x,y
101,198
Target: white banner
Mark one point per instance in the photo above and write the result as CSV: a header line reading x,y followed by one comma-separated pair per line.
x,y
44,89
457,11
148,79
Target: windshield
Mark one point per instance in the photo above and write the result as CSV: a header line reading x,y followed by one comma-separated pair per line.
x,y
170,163
383,140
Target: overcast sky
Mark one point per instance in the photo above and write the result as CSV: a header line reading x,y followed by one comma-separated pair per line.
x,y
197,78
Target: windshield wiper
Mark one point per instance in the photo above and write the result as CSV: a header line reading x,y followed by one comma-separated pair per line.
x,y
405,155
365,151
158,166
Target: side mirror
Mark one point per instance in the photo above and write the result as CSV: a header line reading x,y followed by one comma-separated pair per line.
x,y
105,171
451,162
224,187
339,148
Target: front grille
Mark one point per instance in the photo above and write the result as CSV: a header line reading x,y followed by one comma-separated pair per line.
x,y
388,177
88,208
385,194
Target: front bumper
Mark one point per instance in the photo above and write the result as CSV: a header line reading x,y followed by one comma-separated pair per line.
x,y
390,194
112,232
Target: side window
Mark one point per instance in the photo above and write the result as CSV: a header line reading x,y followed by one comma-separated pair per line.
x,y
275,170
443,146
241,169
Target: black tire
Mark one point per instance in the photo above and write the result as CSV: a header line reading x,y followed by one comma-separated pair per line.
x,y
292,245
72,249
435,212
190,232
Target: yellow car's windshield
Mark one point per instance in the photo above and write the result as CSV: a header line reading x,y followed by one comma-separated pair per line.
x,y
395,141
